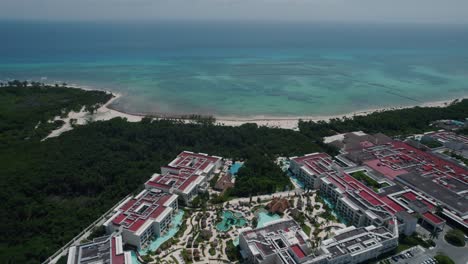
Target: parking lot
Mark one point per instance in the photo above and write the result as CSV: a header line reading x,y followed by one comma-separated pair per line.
x,y
414,255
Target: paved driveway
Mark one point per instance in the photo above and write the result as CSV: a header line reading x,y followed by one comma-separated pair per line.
x,y
458,254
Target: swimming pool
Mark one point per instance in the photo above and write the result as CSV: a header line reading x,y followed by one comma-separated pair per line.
x,y
231,219
134,258
297,181
263,217
235,167
333,212
155,244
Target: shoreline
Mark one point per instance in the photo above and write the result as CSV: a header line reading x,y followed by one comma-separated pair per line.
x,y
292,122
107,112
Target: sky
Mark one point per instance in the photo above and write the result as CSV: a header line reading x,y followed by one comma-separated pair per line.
x,y
387,11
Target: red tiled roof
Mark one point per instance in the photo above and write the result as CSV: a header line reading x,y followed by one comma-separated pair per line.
x,y
118,219
298,251
193,160
116,259
158,185
368,194
128,204
317,163
385,170
136,224
410,196
131,219
187,182
433,218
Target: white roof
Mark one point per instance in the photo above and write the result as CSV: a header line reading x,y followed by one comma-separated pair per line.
x,y
118,245
254,249
71,254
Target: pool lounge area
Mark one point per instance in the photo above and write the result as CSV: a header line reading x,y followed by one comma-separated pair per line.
x,y
230,219
235,168
155,244
134,258
294,179
333,212
263,218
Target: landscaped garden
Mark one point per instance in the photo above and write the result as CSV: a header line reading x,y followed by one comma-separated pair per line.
x,y
455,237
368,181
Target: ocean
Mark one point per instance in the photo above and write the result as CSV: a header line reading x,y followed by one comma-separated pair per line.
x,y
243,69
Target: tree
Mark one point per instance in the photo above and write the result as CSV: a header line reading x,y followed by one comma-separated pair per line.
x,y
443,259
455,237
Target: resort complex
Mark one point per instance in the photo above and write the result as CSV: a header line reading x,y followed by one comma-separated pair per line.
x,y
284,241
143,217
106,249
186,175
363,205
352,208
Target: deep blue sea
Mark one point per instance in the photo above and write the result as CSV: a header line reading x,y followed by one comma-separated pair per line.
x,y
243,68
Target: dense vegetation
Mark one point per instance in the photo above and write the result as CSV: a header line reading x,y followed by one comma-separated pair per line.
x,y
394,122
456,156
431,143
51,190
25,110
443,259
455,237
368,181
260,175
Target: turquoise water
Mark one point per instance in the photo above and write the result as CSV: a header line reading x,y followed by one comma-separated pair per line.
x,y
155,244
230,219
235,167
265,217
236,241
134,258
296,180
332,207
244,69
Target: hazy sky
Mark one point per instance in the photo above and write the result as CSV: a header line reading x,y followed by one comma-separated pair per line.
x,y
420,11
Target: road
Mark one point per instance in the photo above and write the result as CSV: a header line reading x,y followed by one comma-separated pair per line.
x,y
459,255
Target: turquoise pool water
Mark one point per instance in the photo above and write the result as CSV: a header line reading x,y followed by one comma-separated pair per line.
x,y
236,241
332,207
235,167
134,258
265,217
169,234
296,180
231,219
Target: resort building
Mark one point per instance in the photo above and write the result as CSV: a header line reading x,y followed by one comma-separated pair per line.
x,y
311,167
362,205
106,249
438,180
283,241
186,175
353,245
144,217
358,140
450,140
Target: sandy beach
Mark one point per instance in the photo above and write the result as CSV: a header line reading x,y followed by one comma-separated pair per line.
x,y
292,122
107,112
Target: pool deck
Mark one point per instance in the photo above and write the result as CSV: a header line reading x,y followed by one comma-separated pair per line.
x,y
155,244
